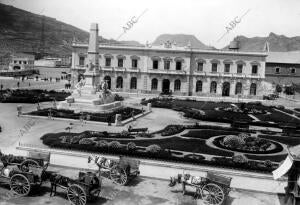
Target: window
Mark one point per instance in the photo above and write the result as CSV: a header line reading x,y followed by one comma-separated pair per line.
x,y
134,63
24,62
154,84
200,66
238,88
107,62
119,82
81,61
254,69
20,62
177,85
213,87
120,63
133,83
155,64
167,64
227,68
178,65
199,86
293,70
214,67
277,70
15,62
253,89
239,68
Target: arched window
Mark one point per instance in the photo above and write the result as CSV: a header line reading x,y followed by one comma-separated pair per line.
x,y
213,87
133,83
199,86
154,83
253,89
238,88
177,85
119,82
108,80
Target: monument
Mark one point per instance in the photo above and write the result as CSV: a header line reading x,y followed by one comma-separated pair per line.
x,y
91,95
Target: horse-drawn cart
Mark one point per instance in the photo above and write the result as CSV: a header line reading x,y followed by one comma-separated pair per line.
x,y
212,189
21,178
119,171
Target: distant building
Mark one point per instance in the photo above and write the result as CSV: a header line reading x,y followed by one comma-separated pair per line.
x,y
283,68
185,71
64,61
20,62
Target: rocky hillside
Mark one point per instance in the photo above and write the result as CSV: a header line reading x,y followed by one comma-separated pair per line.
x,y
279,43
24,32
180,40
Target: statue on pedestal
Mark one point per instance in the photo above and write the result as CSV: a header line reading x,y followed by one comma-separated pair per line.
x,y
80,85
91,66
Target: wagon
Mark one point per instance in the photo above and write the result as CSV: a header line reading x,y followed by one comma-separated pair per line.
x,y
21,182
212,189
119,171
86,188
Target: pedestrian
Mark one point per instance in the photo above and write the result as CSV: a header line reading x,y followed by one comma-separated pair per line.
x,y
18,84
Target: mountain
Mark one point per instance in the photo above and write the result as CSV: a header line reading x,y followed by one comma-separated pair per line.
x,y
180,40
24,32
277,43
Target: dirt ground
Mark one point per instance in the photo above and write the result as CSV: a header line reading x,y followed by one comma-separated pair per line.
x,y
140,191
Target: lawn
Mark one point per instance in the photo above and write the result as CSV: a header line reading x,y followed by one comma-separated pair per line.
x,y
275,158
206,133
292,141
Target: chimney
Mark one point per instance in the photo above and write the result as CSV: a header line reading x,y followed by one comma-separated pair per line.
x,y
234,45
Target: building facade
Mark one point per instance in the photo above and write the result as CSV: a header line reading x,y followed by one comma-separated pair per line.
x,y
283,68
21,62
183,70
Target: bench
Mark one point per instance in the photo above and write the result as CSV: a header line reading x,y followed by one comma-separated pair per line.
x,y
137,130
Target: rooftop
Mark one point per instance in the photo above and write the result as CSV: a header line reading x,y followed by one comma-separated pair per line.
x,y
292,57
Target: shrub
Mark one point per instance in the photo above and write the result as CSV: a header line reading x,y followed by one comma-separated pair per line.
x,y
102,144
66,139
268,163
125,133
154,149
114,145
233,141
144,134
87,141
75,139
172,130
240,158
131,146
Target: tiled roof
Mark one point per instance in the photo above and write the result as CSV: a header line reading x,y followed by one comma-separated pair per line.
x,y
292,57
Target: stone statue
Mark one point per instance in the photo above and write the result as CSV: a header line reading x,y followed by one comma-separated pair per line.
x,y
91,66
80,85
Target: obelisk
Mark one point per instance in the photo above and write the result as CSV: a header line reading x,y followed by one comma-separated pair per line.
x,y
92,75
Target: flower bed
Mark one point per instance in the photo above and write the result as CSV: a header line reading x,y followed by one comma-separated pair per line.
x,y
126,113
31,96
247,144
153,149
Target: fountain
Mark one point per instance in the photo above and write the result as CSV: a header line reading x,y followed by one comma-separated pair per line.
x,y
89,94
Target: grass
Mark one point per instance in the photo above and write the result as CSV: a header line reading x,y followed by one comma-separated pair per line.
x,y
206,133
278,117
292,141
275,158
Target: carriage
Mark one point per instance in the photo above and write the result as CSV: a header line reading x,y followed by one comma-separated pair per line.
x,y
86,187
21,177
212,189
119,171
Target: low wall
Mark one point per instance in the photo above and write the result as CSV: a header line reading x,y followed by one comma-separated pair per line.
x,y
163,170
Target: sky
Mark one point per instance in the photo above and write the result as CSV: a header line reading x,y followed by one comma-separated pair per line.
x,y
208,20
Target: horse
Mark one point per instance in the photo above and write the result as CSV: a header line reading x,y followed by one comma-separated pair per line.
x,y
101,162
55,179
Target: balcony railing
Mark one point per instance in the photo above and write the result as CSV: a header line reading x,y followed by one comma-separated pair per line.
x,y
171,72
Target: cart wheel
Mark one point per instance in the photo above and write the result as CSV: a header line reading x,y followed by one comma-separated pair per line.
x,y
20,185
212,194
24,167
76,195
118,175
183,188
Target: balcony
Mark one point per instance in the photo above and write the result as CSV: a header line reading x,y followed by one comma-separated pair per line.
x,y
119,69
170,72
213,74
200,73
254,76
106,68
133,70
